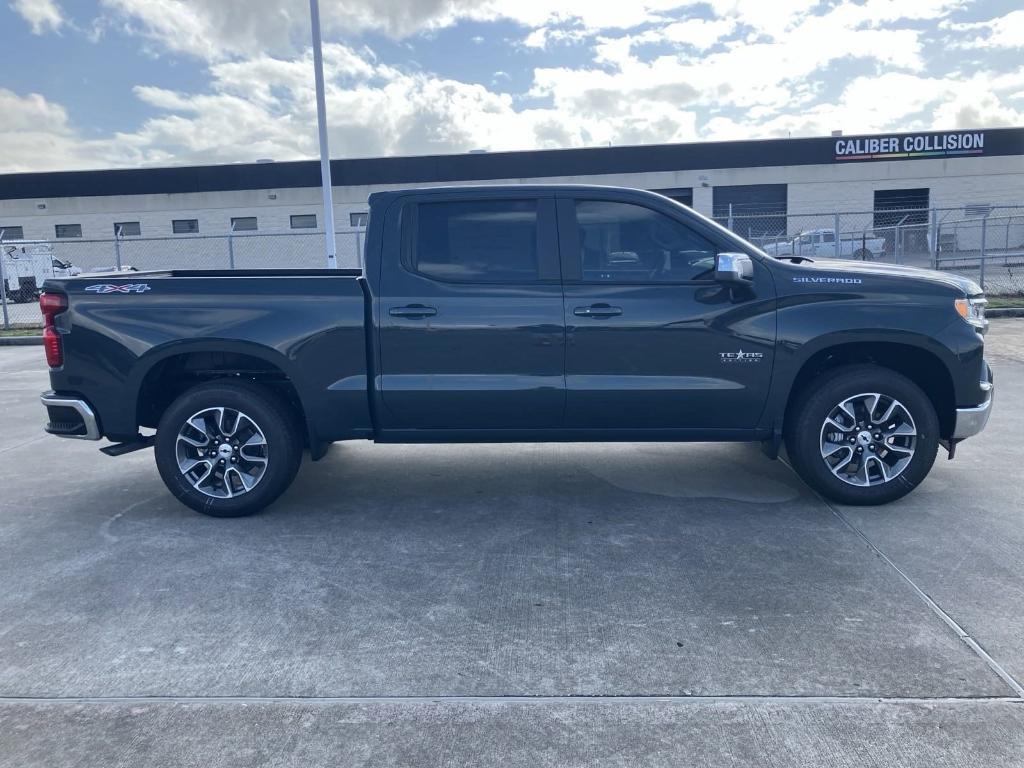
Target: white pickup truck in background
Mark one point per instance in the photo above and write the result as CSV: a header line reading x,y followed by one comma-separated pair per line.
x,y
822,243
26,265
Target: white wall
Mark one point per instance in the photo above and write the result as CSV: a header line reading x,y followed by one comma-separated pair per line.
x,y
952,182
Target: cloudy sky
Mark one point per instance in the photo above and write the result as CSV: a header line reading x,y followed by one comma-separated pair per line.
x,y
115,83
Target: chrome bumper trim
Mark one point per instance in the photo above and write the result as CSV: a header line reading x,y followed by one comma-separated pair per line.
x,y
970,421
82,408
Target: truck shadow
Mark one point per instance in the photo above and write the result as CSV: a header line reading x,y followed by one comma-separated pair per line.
x,y
391,477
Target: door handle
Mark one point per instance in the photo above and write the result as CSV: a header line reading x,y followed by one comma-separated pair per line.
x,y
413,311
597,310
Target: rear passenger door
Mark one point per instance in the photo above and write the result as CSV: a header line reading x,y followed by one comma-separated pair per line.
x,y
471,326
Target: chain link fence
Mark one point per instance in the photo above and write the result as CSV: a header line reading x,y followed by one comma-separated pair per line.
x,y
988,249
982,242
26,265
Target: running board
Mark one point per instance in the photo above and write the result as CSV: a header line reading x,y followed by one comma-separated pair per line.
x,y
120,449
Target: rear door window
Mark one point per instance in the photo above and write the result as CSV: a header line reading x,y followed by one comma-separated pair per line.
x,y
477,241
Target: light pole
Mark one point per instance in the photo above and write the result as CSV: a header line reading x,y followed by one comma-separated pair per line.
x,y
325,152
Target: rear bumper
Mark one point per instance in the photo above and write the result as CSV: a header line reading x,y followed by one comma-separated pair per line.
x,y
971,421
70,417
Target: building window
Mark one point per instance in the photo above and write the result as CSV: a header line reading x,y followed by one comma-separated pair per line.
x,y
185,226
901,217
127,229
243,224
358,219
758,211
68,230
304,221
11,233
893,205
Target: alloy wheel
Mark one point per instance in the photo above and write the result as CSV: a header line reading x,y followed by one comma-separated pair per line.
x,y
222,452
868,439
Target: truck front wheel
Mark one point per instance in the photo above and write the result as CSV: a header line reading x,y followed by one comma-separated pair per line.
x,y
228,449
862,435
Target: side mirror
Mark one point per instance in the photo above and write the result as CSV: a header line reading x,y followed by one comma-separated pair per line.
x,y
733,268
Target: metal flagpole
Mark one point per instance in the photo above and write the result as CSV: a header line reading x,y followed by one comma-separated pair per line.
x,y
325,153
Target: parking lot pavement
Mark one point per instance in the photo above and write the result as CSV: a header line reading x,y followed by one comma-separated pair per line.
x,y
388,607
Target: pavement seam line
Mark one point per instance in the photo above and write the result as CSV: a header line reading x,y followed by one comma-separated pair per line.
x,y
513,699
22,445
952,623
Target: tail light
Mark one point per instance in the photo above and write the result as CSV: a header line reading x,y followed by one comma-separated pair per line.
x,y
51,305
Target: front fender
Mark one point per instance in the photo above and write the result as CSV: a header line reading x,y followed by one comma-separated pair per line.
x,y
812,325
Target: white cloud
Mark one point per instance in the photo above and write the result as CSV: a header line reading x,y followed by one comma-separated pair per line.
x,y
264,107
773,76
1003,32
35,135
42,15
216,29
756,69
699,33
891,102
538,38
543,37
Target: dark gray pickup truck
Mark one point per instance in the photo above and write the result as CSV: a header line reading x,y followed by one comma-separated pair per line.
x,y
522,313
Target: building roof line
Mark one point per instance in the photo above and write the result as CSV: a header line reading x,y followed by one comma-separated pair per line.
x,y
433,169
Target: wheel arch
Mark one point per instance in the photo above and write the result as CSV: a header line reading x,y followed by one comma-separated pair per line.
x,y
166,372
914,361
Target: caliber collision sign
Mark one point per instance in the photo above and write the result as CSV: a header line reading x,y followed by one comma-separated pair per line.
x,y
913,145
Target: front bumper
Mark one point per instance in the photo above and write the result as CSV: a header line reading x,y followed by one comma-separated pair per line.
x,y
971,421
70,417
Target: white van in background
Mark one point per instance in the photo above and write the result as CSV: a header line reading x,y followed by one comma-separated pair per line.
x,y
27,264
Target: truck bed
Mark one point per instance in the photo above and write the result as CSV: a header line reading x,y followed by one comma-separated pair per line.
x,y
305,326
165,273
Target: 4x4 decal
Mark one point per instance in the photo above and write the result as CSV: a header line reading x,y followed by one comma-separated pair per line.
x,y
123,288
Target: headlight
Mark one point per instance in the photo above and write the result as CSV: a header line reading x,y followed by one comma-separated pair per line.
x,y
972,310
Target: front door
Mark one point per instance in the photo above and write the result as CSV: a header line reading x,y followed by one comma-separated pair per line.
x,y
652,341
471,328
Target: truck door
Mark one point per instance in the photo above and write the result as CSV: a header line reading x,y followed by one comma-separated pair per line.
x,y
470,316
652,341
825,244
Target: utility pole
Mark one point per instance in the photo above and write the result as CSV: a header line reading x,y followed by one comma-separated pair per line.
x,y
325,152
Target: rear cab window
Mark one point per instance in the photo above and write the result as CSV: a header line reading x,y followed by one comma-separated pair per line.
x,y
493,241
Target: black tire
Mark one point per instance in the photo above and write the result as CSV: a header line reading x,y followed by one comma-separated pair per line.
x,y
818,400
263,409
863,255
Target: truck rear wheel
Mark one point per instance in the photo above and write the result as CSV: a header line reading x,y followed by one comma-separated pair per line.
x,y
862,435
228,449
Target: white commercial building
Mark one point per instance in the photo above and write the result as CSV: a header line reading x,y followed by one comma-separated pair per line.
x,y
770,188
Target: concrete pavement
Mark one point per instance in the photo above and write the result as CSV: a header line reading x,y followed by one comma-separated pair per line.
x,y
395,605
